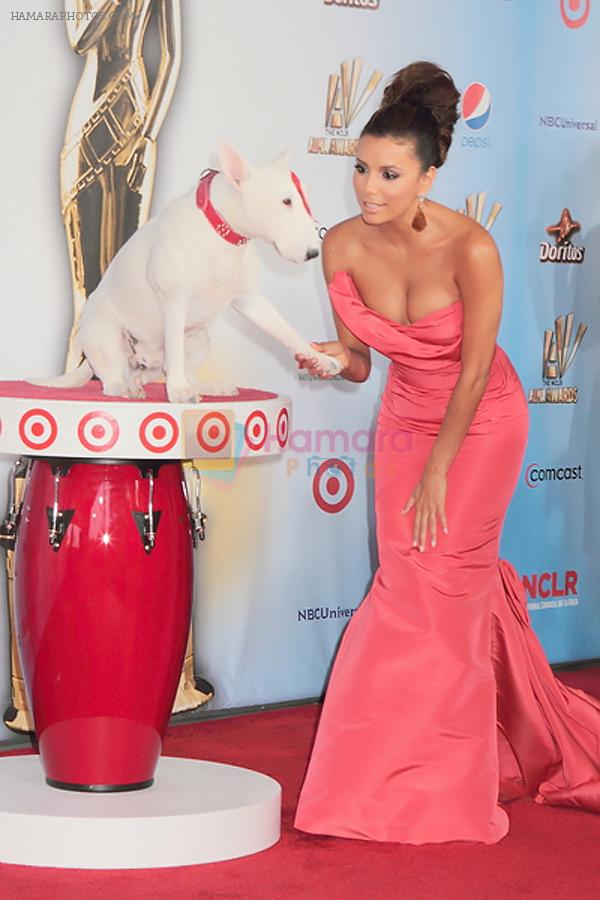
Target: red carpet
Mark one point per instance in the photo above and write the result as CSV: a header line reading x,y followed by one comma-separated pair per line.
x,y
548,853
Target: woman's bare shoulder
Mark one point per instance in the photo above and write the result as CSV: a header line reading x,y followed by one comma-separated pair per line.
x,y
476,246
476,254
343,234
465,231
340,246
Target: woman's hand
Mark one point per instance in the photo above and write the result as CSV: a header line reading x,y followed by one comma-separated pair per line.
x,y
331,348
429,501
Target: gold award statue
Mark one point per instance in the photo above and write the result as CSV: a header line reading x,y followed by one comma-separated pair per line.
x,y
108,160
107,175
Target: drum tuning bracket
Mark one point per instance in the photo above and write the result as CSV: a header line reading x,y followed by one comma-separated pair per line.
x,y
147,522
192,493
10,525
58,519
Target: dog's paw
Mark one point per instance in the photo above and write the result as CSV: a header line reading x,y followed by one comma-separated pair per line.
x,y
329,364
115,389
130,390
182,393
136,392
217,390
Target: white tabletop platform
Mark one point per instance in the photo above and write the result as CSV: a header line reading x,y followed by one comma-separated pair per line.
x,y
82,423
196,812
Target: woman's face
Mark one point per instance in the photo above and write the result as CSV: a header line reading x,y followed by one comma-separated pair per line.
x,y
387,179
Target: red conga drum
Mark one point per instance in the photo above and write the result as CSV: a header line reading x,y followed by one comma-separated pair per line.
x,y
103,591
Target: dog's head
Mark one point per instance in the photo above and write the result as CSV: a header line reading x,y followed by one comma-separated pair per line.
x,y
273,204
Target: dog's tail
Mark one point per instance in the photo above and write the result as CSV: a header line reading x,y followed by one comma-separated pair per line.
x,y
78,377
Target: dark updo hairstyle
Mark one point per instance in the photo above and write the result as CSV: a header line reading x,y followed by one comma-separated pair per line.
x,y
419,104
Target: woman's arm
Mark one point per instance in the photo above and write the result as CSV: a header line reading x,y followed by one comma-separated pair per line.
x,y
480,280
359,354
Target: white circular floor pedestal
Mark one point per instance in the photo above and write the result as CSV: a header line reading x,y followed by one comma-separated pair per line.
x,y
196,812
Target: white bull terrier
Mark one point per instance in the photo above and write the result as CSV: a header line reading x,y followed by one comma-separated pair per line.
x,y
150,312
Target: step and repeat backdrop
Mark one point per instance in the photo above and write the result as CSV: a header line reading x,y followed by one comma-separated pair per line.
x,y
290,547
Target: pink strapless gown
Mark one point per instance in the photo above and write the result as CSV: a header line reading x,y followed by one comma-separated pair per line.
x,y
441,702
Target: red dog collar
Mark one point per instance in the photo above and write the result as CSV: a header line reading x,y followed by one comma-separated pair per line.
x,y
216,220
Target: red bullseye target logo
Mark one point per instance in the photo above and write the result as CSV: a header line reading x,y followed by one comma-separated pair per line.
x,y
213,432
283,427
159,432
333,485
98,432
38,429
256,430
575,13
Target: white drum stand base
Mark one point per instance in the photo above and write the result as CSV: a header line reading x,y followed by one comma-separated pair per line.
x,y
196,812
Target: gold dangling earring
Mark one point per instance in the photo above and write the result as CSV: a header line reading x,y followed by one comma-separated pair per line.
x,y
419,221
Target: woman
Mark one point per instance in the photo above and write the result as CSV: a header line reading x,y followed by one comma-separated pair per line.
x,y
459,708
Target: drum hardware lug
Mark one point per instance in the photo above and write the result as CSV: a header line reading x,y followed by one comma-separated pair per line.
x,y
58,519
199,526
198,523
8,528
147,467
60,466
147,522
197,517
147,528
58,522
8,533
21,468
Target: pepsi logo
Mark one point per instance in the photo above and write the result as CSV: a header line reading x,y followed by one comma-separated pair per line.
x,y
333,485
159,432
575,13
97,432
476,106
38,429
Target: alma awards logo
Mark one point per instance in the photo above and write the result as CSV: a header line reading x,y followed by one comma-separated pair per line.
x,y
344,102
474,208
559,350
563,251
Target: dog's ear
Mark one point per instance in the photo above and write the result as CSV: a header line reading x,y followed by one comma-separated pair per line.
x,y
233,165
284,158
